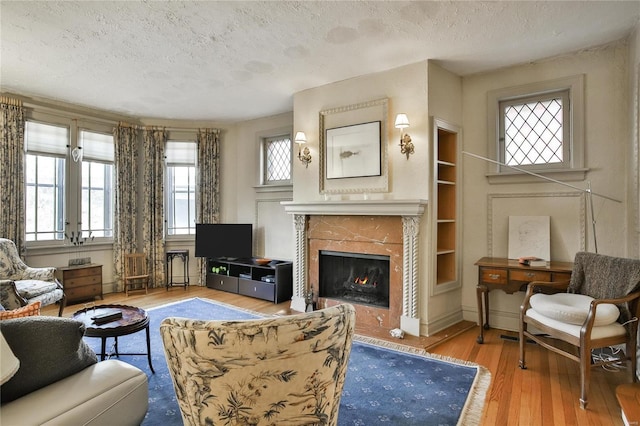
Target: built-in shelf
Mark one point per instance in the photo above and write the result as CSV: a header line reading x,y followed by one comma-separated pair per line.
x,y
445,206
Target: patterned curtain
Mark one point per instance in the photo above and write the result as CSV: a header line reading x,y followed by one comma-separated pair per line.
x,y
153,207
126,211
12,220
208,183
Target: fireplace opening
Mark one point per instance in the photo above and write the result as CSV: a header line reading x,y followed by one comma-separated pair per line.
x,y
354,277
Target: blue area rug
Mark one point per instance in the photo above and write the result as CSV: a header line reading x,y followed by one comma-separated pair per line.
x,y
386,384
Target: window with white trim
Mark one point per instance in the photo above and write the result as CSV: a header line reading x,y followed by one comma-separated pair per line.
x,y
69,179
537,127
276,160
97,184
180,206
45,175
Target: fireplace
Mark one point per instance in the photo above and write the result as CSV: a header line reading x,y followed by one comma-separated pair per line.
x,y
385,228
354,277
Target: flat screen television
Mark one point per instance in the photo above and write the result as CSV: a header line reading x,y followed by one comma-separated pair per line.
x,y
230,240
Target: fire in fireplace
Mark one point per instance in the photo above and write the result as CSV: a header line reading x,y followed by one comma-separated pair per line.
x,y
354,277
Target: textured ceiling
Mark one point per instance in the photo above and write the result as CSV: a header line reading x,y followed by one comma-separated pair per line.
x,y
230,61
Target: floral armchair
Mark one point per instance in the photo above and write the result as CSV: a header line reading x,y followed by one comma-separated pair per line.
x,y
21,284
286,370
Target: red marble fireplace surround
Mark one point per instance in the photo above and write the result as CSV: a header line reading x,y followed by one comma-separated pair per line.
x,y
378,227
379,235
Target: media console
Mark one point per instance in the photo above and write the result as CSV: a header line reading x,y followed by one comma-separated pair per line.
x,y
272,281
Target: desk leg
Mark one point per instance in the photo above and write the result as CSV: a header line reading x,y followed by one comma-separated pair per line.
x,y
149,351
482,294
486,308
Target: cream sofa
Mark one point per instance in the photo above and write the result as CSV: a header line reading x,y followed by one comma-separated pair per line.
x,y
110,392
50,376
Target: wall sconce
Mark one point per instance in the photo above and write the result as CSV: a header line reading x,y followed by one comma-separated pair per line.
x,y
406,146
304,155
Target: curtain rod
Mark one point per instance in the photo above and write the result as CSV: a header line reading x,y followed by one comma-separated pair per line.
x,y
10,101
169,129
87,117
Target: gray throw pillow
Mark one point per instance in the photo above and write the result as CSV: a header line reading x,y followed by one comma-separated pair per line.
x,y
49,349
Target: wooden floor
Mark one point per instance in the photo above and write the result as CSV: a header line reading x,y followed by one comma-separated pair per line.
x,y
545,394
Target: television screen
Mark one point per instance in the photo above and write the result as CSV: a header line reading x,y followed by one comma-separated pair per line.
x,y
230,240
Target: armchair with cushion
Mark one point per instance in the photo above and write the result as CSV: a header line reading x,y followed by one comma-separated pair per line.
x,y
21,284
598,307
285,370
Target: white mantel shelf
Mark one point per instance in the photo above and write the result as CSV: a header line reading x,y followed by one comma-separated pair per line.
x,y
357,207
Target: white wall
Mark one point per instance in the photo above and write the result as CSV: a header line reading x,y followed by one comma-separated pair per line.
x,y
605,152
406,89
273,227
445,103
420,90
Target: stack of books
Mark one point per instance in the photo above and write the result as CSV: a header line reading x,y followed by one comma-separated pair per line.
x,y
108,316
532,261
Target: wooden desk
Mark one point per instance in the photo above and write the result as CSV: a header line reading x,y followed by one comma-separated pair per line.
x,y
510,276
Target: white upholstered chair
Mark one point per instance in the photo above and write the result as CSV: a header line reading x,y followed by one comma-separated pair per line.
x,y
275,371
21,284
599,307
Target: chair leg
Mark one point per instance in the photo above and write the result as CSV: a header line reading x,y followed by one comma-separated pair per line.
x,y
632,354
63,304
585,373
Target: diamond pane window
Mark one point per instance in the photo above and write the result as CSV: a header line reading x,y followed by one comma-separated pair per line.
x,y
277,154
533,131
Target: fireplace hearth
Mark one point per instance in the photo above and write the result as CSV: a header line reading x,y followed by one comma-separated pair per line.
x,y
354,277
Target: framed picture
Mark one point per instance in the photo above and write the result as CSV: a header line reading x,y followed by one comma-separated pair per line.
x,y
353,148
353,151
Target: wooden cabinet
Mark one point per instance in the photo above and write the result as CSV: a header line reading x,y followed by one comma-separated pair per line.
x,y
83,282
273,281
222,282
445,206
510,276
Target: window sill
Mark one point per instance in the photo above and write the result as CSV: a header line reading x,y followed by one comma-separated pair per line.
x,y
43,248
572,175
274,188
181,238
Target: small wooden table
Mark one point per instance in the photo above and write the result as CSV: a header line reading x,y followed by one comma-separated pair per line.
x,y
510,276
184,255
133,320
629,399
